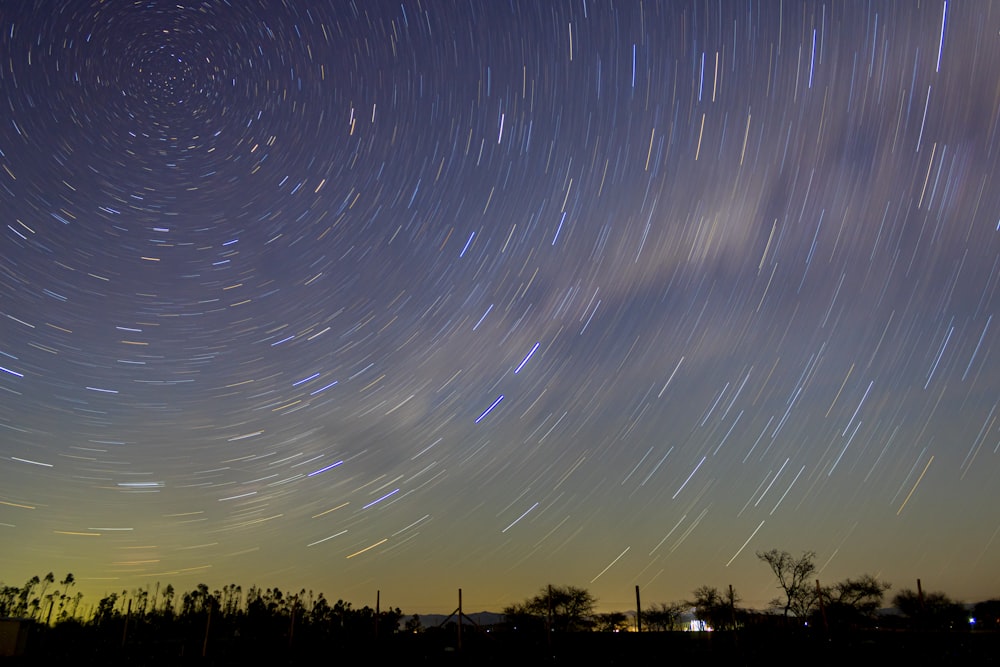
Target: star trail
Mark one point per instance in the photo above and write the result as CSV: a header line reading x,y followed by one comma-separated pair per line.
x,y
413,296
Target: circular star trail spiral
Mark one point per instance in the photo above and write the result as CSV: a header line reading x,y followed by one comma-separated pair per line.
x,y
410,296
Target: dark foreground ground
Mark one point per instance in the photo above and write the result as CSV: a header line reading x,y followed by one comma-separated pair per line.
x,y
771,649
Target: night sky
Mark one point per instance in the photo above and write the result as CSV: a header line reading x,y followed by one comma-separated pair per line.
x,y
413,296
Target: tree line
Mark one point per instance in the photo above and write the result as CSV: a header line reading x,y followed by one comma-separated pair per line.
x,y
159,621
255,611
855,602
37,598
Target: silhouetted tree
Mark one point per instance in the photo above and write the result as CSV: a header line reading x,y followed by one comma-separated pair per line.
x,y
613,621
140,600
25,599
519,616
66,583
716,609
854,601
935,612
571,608
229,599
106,608
50,602
76,605
320,612
794,579
268,625
8,600
168,600
663,616
47,580
388,621
413,625
706,601
196,601
987,614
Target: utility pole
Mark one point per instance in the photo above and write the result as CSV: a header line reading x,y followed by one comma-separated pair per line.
x,y
548,622
125,628
638,610
822,606
732,606
460,617
208,625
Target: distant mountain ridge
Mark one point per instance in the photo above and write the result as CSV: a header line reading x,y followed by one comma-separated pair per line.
x,y
482,618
